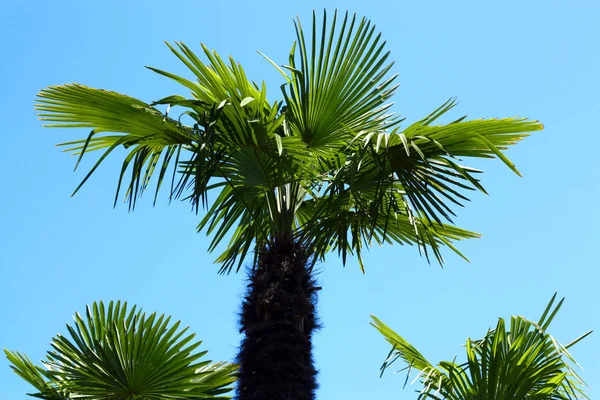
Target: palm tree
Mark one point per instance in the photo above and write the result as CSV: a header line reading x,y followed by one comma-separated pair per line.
x,y
116,353
325,168
523,362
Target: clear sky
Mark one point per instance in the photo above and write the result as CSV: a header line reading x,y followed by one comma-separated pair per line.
x,y
537,59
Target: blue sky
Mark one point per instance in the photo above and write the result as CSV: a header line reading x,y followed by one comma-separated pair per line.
x,y
535,59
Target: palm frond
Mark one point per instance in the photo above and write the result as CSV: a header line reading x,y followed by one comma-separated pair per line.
x,y
426,158
37,377
339,83
143,130
414,175
338,223
114,352
247,118
522,362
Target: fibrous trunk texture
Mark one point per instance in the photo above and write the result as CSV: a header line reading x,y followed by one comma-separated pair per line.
x,y
278,318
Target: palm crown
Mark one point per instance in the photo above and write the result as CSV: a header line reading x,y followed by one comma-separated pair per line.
x,y
327,166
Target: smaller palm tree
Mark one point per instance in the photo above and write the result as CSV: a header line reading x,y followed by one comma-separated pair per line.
x,y
116,353
524,362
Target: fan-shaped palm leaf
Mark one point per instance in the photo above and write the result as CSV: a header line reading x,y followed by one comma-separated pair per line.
x,y
116,353
522,362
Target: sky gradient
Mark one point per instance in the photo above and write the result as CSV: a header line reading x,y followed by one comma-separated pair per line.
x,y
501,59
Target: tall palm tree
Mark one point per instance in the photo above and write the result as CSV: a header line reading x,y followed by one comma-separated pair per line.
x,y
116,353
522,362
327,167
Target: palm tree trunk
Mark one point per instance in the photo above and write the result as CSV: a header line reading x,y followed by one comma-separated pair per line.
x,y
278,318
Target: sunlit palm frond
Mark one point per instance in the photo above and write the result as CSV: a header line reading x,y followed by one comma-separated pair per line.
x,y
522,362
114,353
151,137
415,173
39,378
426,159
339,83
246,119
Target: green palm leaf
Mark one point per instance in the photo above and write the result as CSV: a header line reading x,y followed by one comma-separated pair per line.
x,y
339,83
522,362
142,129
412,175
116,353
